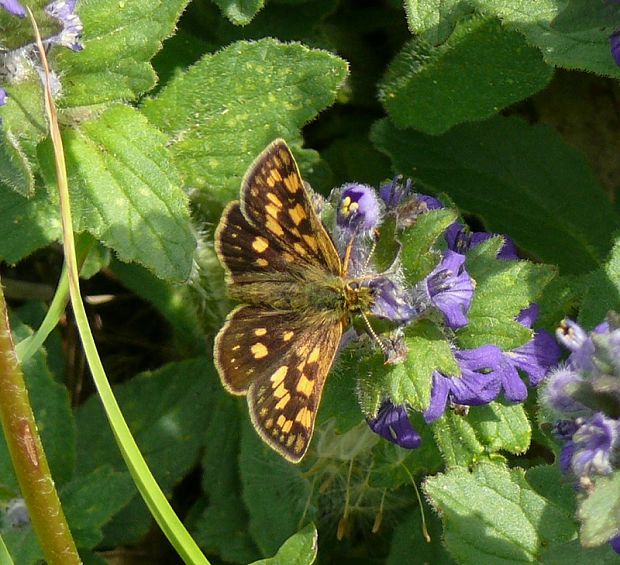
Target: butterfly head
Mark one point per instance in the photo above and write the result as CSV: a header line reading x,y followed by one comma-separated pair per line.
x,y
357,297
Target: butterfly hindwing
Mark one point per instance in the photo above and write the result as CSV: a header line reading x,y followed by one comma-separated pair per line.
x,y
280,360
284,401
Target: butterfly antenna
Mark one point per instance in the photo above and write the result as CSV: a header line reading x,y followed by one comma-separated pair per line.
x,y
373,333
371,252
348,252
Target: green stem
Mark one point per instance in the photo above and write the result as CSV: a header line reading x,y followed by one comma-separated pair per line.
x,y
29,346
28,457
147,485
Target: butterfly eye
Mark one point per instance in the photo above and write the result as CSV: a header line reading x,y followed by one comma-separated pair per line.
x,y
354,286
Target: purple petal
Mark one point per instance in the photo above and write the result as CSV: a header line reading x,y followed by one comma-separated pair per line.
x,y
514,388
536,357
13,7
359,209
392,423
571,335
71,34
3,96
460,240
528,315
480,381
615,541
391,301
439,397
594,443
475,389
430,202
614,43
481,378
566,457
395,192
451,289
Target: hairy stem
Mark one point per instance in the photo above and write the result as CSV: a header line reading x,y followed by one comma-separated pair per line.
x,y
28,457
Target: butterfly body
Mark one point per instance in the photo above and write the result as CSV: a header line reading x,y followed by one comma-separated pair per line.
x,y
278,346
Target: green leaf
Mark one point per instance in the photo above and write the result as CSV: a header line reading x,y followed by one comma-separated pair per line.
x,y
26,224
572,34
299,549
119,39
223,525
340,399
23,121
573,553
456,439
601,291
548,481
275,492
91,500
15,169
481,69
491,515
416,255
503,289
501,427
127,193
167,411
522,180
23,545
240,12
230,105
434,20
575,38
410,382
600,511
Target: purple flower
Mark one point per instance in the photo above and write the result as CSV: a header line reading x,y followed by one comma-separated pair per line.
x,y
71,34
534,358
572,336
615,543
13,7
593,445
614,41
391,301
559,390
480,381
450,289
3,96
393,193
392,423
460,239
359,210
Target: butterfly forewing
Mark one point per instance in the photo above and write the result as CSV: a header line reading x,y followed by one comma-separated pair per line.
x,y
275,200
247,251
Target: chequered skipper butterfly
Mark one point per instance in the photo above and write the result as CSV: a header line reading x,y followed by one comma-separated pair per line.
x,y
278,346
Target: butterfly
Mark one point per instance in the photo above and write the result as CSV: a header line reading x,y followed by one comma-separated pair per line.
x,y
278,346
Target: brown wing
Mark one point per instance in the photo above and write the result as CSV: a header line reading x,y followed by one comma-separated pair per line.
x,y
275,227
280,360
